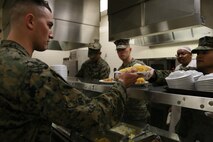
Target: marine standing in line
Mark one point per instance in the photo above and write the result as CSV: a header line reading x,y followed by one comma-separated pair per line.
x,y
95,67
136,110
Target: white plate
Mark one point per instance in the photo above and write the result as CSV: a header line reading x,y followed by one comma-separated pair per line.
x,y
109,82
139,73
146,82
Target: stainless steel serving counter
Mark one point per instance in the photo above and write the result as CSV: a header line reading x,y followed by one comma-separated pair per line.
x,y
157,94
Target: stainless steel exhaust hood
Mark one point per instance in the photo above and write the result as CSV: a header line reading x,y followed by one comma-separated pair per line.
x,y
76,23
154,22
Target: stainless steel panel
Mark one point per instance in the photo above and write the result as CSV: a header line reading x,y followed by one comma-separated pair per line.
x,y
77,11
76,23
74,32
188,101
166,10
158,19
157,39
155,94
124,20
117,5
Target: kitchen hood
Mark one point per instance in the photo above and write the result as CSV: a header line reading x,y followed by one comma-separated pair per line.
x,y
154,22
76,22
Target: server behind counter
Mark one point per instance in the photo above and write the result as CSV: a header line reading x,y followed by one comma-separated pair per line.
x,y
136,110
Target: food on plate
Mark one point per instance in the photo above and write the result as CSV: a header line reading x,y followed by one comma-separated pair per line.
x,y
140,80
141,68
138,68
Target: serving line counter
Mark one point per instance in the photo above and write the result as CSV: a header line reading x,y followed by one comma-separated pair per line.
x,y
156,94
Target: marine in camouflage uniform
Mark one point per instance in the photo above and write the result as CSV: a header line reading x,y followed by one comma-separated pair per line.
x,y
32,96
136,110
95,67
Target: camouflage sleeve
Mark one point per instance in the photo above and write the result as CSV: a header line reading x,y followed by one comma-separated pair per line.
x,y
105,71
55,100
159,77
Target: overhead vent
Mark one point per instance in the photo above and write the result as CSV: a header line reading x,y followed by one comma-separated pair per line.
x,y
154,22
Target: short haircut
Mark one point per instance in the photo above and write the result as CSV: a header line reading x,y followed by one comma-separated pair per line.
x,y
42,3
20,7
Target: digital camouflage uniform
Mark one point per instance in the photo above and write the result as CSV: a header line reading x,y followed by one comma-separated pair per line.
x,y
136,110
94,70
32,96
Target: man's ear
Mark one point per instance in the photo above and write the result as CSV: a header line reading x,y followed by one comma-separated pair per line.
x,y
29,21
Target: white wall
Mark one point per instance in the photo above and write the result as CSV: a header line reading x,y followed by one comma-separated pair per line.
x,y
108,50
51,57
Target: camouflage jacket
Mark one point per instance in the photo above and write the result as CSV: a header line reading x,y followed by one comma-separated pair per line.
x,y
94,70
132,63
136,110
32,96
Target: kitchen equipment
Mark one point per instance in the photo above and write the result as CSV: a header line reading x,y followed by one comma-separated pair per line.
x,y
155,22
60,69
75,60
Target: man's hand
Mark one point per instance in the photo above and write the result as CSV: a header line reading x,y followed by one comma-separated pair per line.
x,y
128,78
148,74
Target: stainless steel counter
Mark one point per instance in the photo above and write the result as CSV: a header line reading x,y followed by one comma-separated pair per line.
x,y
157,94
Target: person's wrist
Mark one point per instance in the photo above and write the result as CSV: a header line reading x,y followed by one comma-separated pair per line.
x,y
121,82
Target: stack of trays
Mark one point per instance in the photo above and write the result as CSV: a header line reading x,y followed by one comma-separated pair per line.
x,y
180,80
205,83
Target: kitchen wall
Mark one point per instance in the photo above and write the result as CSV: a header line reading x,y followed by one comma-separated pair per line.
x,y
108,49
51,57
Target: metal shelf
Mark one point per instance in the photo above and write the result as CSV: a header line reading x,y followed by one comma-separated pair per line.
x,y
154,94
188,101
